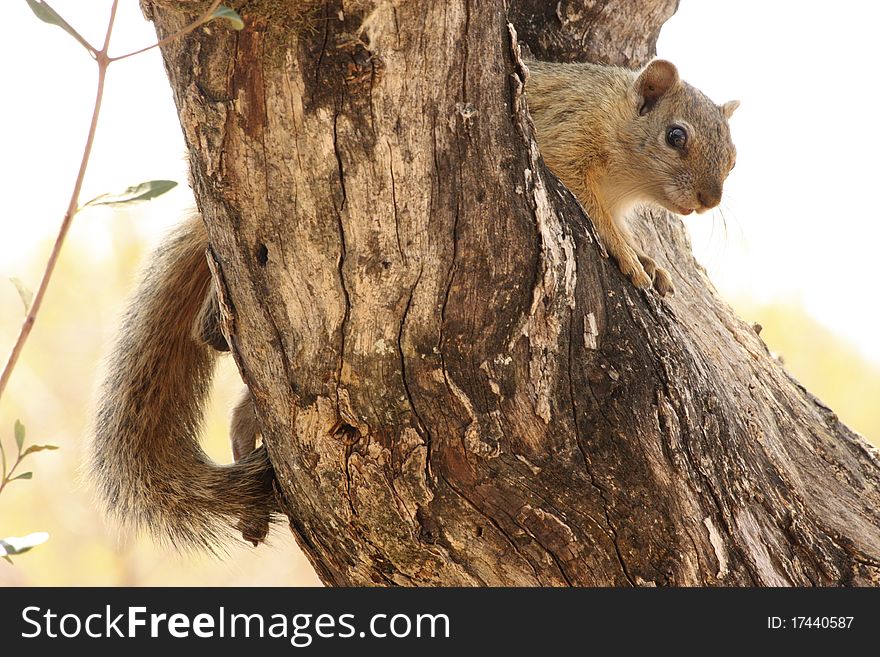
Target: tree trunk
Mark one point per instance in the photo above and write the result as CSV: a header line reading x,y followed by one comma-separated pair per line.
x,y
455,386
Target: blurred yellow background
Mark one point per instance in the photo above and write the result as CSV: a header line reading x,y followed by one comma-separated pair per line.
x,y
51,392
798,256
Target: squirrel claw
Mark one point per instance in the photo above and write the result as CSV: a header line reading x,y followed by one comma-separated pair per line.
x,y
663,282
636,273
648,265
661,278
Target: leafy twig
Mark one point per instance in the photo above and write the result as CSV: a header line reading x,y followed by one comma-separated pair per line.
x,y
48,15
7,476
18,545
45,13
14,544
27,325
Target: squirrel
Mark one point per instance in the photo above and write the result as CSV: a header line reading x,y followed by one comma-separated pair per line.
x,y
615,137
145,454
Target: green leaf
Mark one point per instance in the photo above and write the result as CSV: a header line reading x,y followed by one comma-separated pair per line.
x,y
26,295
38,448
45,13
19,434
230,15
6,558
136,193
23,475
21,544
48,15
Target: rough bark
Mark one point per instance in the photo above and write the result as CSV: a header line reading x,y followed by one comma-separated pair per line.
x,y
616,32
454,385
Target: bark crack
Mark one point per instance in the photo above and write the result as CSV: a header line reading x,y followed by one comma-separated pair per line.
x,y
420,422
342,255
611,532
495,525
467,23
345,317
450,275
325,19
396,212
559,517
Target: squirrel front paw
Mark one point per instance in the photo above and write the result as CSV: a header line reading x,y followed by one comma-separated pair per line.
x,y
634,271
662,279
663,282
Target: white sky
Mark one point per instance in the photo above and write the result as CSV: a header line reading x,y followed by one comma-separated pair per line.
x,y
800,222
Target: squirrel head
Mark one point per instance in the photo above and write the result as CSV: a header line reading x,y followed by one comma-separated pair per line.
x,y
680,148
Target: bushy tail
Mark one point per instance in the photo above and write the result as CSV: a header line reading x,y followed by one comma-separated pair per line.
x,y
146,458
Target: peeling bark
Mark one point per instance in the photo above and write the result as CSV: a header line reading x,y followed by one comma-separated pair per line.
x,y
454,385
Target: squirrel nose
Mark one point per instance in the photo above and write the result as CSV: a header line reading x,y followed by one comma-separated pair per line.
x,y
710,196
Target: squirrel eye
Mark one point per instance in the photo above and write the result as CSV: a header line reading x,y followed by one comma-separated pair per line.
x,y
677,137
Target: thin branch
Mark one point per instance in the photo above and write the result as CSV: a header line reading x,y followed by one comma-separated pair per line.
x,y
103,60
76,35
48,15
7,476
31,317
109,27
204,18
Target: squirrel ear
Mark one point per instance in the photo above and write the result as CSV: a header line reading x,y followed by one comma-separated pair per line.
x,y
656,79
728,108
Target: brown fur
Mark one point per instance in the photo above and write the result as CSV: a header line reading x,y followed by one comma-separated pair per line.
x,y
145,457
602,130
244,428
